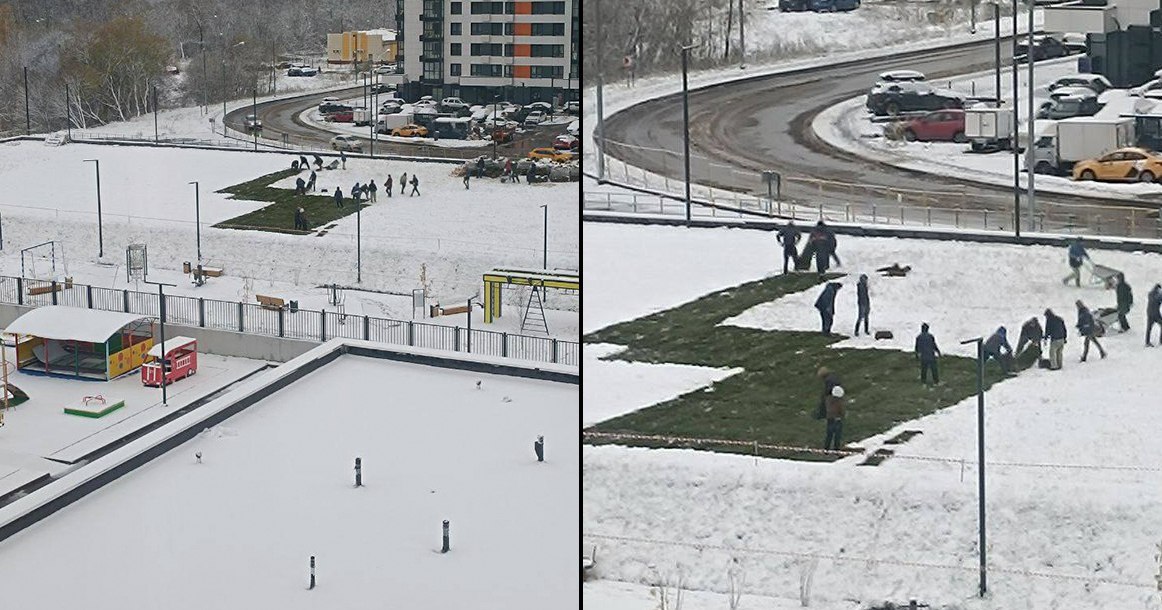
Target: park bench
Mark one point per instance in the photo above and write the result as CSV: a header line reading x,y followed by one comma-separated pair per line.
x,y
266,302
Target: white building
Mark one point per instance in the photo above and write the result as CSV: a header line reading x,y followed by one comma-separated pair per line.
x,y
521,51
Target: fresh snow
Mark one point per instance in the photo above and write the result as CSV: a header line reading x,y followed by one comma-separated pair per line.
x,y
275,487
770,517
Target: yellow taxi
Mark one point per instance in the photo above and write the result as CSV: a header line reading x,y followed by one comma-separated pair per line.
x,y
551,154
410,131
1122,165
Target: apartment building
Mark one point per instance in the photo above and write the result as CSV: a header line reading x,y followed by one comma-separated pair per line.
x,y
482,50
375,46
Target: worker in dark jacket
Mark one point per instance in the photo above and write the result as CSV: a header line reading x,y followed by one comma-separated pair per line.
x,y
1125,301
1031,335
821,241
927,352
1055,332
863,305
1087,329
835,410
1154,313
997,348
826,305
829,380
788,236
1077,254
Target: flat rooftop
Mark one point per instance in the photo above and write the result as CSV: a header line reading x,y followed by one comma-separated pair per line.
x,y
275,486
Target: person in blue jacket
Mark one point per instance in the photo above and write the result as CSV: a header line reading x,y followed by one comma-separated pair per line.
x,y
997,348
863,304
1087,329
927,352
826,305
1076,254
1153,312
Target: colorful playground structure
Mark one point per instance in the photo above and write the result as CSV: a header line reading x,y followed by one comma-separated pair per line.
x,y
180,360
497,279
82,343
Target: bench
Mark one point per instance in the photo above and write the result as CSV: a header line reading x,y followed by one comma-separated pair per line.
x,y
436,311
270,302
50,288
213,271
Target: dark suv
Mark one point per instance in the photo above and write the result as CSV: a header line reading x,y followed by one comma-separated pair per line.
x,y
788,6
893,98
1044,47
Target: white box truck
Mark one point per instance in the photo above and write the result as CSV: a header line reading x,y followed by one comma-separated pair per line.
x,y
362,117
1080,138
988,129
387,122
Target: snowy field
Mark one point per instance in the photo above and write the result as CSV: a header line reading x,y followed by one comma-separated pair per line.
x,y
275,486
38,431
1072,488
448,236
847,126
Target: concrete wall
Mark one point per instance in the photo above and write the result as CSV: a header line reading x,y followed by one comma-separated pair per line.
x,y
220,342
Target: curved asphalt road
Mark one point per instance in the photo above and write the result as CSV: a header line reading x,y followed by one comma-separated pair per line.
x,y
280,117
765,123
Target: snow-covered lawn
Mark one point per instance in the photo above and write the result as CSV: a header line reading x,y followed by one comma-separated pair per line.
x,y
449,236
847,125
275,487
769,518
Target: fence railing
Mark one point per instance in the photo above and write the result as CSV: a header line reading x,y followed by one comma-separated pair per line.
x,y
303,324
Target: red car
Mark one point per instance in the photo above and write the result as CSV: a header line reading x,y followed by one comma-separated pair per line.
x,y
566,142
343,116
938,126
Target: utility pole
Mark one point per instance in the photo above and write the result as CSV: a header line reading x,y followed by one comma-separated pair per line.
x,y
27,116
68,113
254,111
686,124
198,218
546,235
997,53
980,455
741,35
100,234
599,134
205,75
161,316
1016,131
1031,198
155,137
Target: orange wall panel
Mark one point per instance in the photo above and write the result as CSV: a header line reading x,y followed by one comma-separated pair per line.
x,y
523,50
523,71
524,29
524,8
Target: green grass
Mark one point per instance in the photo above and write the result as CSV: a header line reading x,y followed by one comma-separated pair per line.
x,y
279,217
772,400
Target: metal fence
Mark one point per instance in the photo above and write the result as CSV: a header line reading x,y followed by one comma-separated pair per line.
x,y
300,324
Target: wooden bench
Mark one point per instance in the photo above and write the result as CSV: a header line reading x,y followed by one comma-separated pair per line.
x,y
212,271
50,288
270,302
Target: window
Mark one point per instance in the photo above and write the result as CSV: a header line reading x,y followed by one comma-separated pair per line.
x,y
508,70
454,69
486,28
548,29
456,29
547,72
433,71
485,69
483,49
509,8
547,50
455,49
433,8
457,8
549,8
487,8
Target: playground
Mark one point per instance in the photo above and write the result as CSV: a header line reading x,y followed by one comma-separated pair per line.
x,y
238,512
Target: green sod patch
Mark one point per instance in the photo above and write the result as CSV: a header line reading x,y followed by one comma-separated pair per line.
x,y
772,400
280,215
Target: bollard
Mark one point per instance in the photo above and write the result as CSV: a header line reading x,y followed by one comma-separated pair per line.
x,y
312,585
901,215
986,219
929,217
447,546
956,220
359,472
874,215
539,448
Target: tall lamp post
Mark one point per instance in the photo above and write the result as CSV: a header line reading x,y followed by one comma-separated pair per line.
x,y
599,133
1031,198
100,233
198,218
980,453
161,316
358,242
254,111
240,43
546,235
686,123
1016,130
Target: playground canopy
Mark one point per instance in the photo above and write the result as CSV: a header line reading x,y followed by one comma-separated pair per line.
x,y
76,342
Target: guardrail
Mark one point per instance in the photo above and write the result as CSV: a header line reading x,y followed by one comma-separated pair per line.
x,y
304,324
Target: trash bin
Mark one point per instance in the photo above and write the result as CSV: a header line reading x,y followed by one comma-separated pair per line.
x,y
1084,64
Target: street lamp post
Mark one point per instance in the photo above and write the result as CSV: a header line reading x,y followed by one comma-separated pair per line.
x,y
1031,199
100,234
198,218
980,454
997,47
1016,131
545,246
686,123
155,138
254,111
161,316
599,133
359,242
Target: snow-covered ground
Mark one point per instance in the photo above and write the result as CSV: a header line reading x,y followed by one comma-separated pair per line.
x,y
847,125
448,236
1072,492
275,487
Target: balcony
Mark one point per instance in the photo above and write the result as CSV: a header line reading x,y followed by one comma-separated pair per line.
x,y
431,17
433,37
432,58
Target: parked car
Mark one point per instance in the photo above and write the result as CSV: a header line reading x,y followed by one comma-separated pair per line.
x,y
1044,47
573,107
347,143
1122,165
574,128
500,135
1145,88
901,76
1068,106
390,108
1095,82
328,100
543,107
939,126
550,154
789,6
893,98
411,130
422,103
1074,43
342,116
382,88
385,69
535,118
294,71
329,108
253,123
566,142
831,6
308,71
453,104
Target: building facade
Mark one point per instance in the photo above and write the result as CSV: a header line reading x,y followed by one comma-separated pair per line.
x,y
1124,36
374,46
484,50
